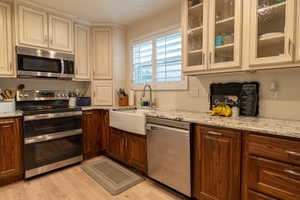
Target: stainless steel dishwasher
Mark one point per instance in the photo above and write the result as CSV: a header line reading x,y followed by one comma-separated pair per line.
x,y
168,145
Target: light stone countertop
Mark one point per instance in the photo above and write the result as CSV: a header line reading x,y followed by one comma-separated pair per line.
x,y
87,108
11,114
287,128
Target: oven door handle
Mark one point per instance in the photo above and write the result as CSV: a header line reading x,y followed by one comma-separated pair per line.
x,y
53,136
51,115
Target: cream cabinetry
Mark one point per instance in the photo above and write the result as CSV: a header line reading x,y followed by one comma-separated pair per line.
x,y
40,29
82,52
102,38
272,31
103,93
212,34
33,27
60,33
298,33
6,60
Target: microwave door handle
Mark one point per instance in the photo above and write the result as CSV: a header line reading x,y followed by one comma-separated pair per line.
x,y
62,67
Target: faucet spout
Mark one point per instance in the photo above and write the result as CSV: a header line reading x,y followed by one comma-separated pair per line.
x,y
150,90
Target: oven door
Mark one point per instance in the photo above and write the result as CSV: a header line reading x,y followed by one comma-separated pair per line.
x,y
51,141
47,155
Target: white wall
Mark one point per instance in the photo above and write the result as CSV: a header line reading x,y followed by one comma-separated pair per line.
x,y
284,105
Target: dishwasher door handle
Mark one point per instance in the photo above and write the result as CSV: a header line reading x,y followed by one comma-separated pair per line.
x,y
154,127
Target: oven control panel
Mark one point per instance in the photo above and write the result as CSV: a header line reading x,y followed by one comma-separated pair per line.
x,y
40,95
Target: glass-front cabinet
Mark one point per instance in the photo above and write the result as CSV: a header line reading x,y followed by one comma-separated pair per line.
x,y
212,34
272,31
225,33
195,35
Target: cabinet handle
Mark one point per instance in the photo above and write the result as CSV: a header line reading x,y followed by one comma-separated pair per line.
x,y
10,67
292,172
215,133
291,47
45,38
292,153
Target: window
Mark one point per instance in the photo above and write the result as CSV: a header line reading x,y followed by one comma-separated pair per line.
x,y
157,61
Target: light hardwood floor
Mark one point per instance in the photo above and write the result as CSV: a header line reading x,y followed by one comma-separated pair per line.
x,y
73,184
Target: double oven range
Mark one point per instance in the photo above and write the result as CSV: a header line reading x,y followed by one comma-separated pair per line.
x,y
52,131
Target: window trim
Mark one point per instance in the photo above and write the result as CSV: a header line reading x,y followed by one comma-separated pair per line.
x,y
178,85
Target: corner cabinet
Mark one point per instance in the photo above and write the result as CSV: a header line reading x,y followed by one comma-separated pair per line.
x,y
102,93
102,57
6,52
216,164
272,32
40,29
82,52
10,150
212,34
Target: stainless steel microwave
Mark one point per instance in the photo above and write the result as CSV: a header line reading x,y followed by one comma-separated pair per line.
x,y
39,63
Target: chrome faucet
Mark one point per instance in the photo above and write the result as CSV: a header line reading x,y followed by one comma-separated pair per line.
x,y
144,93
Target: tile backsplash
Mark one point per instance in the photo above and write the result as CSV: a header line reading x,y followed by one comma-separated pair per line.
x,y
45,84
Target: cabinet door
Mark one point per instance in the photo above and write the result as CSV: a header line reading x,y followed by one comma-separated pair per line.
x,y
105,129
33,27
272,31
274,178
10,149
6,64
195,35
60,33
103,93
102,54
137,152
225,33
116,148
219,167
92,133
82,63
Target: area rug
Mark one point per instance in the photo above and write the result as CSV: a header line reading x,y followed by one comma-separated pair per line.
x,y
112,176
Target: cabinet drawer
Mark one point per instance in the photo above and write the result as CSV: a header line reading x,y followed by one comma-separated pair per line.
x,y
258,196
274,178
274,148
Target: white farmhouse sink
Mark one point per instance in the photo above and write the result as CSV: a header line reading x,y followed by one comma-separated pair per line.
x,y
132,121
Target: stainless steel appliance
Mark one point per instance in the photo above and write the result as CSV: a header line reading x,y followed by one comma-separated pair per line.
x,y
168,149
52,131
33,62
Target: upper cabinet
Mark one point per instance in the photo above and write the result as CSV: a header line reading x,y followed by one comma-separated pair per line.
x,y
272,31
225,33
6,60
40,29
212,34
102,41
103,93
195,35
82,64
33,27
60,33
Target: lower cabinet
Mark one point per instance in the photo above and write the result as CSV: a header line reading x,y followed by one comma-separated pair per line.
x,y
128,148
11,142
95,132
272,168
216,164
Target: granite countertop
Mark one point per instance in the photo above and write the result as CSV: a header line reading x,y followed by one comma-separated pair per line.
x,y
287,128
11,114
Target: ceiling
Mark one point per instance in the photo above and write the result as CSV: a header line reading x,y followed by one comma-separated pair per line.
x,y
123,12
